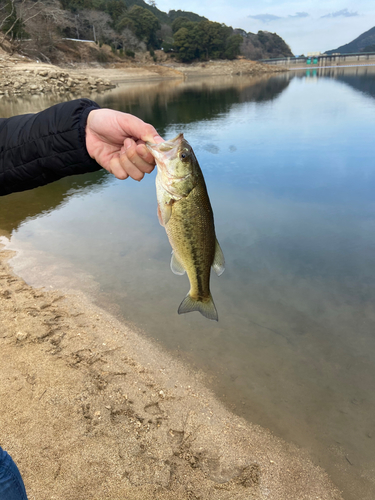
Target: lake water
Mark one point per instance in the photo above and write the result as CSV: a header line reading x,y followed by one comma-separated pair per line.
x,y
289,165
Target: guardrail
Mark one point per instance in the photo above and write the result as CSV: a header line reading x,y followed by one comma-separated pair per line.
x,y
78,40
324,59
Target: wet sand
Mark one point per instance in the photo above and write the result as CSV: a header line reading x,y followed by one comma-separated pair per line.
x,y
91,409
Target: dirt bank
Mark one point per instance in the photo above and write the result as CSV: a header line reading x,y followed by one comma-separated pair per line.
x,y
90,409
22,76
237,67
19,77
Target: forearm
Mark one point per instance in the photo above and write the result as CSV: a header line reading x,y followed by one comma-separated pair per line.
x,y
40,148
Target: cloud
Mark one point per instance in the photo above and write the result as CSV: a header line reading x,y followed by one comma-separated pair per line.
x,y
299,15
340,13
267,18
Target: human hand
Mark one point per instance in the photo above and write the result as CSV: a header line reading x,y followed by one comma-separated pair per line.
x,y
117,142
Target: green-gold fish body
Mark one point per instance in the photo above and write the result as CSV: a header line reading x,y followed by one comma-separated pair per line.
x,y
184,209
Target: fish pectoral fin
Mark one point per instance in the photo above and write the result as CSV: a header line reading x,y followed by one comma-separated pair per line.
x,y
165,212
218,264
176,266
205,307
160,217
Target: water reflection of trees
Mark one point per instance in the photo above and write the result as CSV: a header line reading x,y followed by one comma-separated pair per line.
x,y
17,207
186,102
160,103
362,81
11,106
360,78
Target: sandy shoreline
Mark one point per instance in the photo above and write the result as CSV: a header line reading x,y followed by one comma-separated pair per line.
x,y
90,409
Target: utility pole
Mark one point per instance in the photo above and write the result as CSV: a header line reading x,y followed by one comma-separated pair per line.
x,y
76,23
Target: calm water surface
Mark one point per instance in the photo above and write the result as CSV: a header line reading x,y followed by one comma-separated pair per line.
x,y
289,164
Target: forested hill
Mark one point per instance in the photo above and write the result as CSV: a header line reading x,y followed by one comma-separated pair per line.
x,y
129,26
119,6
363,43
263,45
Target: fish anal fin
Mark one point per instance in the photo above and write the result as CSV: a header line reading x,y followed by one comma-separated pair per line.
x,y
218,264
176,266
205,307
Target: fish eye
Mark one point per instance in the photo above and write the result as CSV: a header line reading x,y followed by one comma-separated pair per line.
x,y
184,155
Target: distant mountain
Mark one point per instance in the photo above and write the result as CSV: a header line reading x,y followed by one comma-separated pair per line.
x,y
361,44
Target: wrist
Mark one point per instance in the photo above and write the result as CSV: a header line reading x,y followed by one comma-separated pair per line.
x,y
89,134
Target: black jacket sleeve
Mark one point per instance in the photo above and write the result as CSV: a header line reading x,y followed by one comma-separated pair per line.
x,y
36,149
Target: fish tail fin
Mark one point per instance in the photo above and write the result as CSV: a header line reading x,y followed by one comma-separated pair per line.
x,y
205,307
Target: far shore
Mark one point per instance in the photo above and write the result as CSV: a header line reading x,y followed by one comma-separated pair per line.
x,y
21,76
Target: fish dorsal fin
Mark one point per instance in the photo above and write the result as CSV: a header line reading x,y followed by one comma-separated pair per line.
x,y
176,266
218,264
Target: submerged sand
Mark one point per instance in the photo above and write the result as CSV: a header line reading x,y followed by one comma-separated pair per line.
x,y
90,409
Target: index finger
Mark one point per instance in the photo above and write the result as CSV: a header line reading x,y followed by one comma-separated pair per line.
x,y
145,154
137,128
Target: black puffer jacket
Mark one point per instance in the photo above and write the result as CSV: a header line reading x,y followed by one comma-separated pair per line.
x,y
36,149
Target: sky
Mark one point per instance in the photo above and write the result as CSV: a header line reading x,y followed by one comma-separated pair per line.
x,y
305,25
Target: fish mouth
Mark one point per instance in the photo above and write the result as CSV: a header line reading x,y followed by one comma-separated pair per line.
x,y
165,150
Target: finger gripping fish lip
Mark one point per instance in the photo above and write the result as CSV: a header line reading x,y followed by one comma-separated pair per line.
x,y
165,147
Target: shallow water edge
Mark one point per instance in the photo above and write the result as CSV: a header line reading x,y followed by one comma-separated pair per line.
x,y
95,396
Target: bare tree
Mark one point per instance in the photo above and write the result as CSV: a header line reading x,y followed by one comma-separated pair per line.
x,y
251,49
45,30
98,22
128,40
165,32
102,23
13,18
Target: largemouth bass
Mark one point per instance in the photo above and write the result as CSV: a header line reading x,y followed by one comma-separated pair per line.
x,y
185,211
